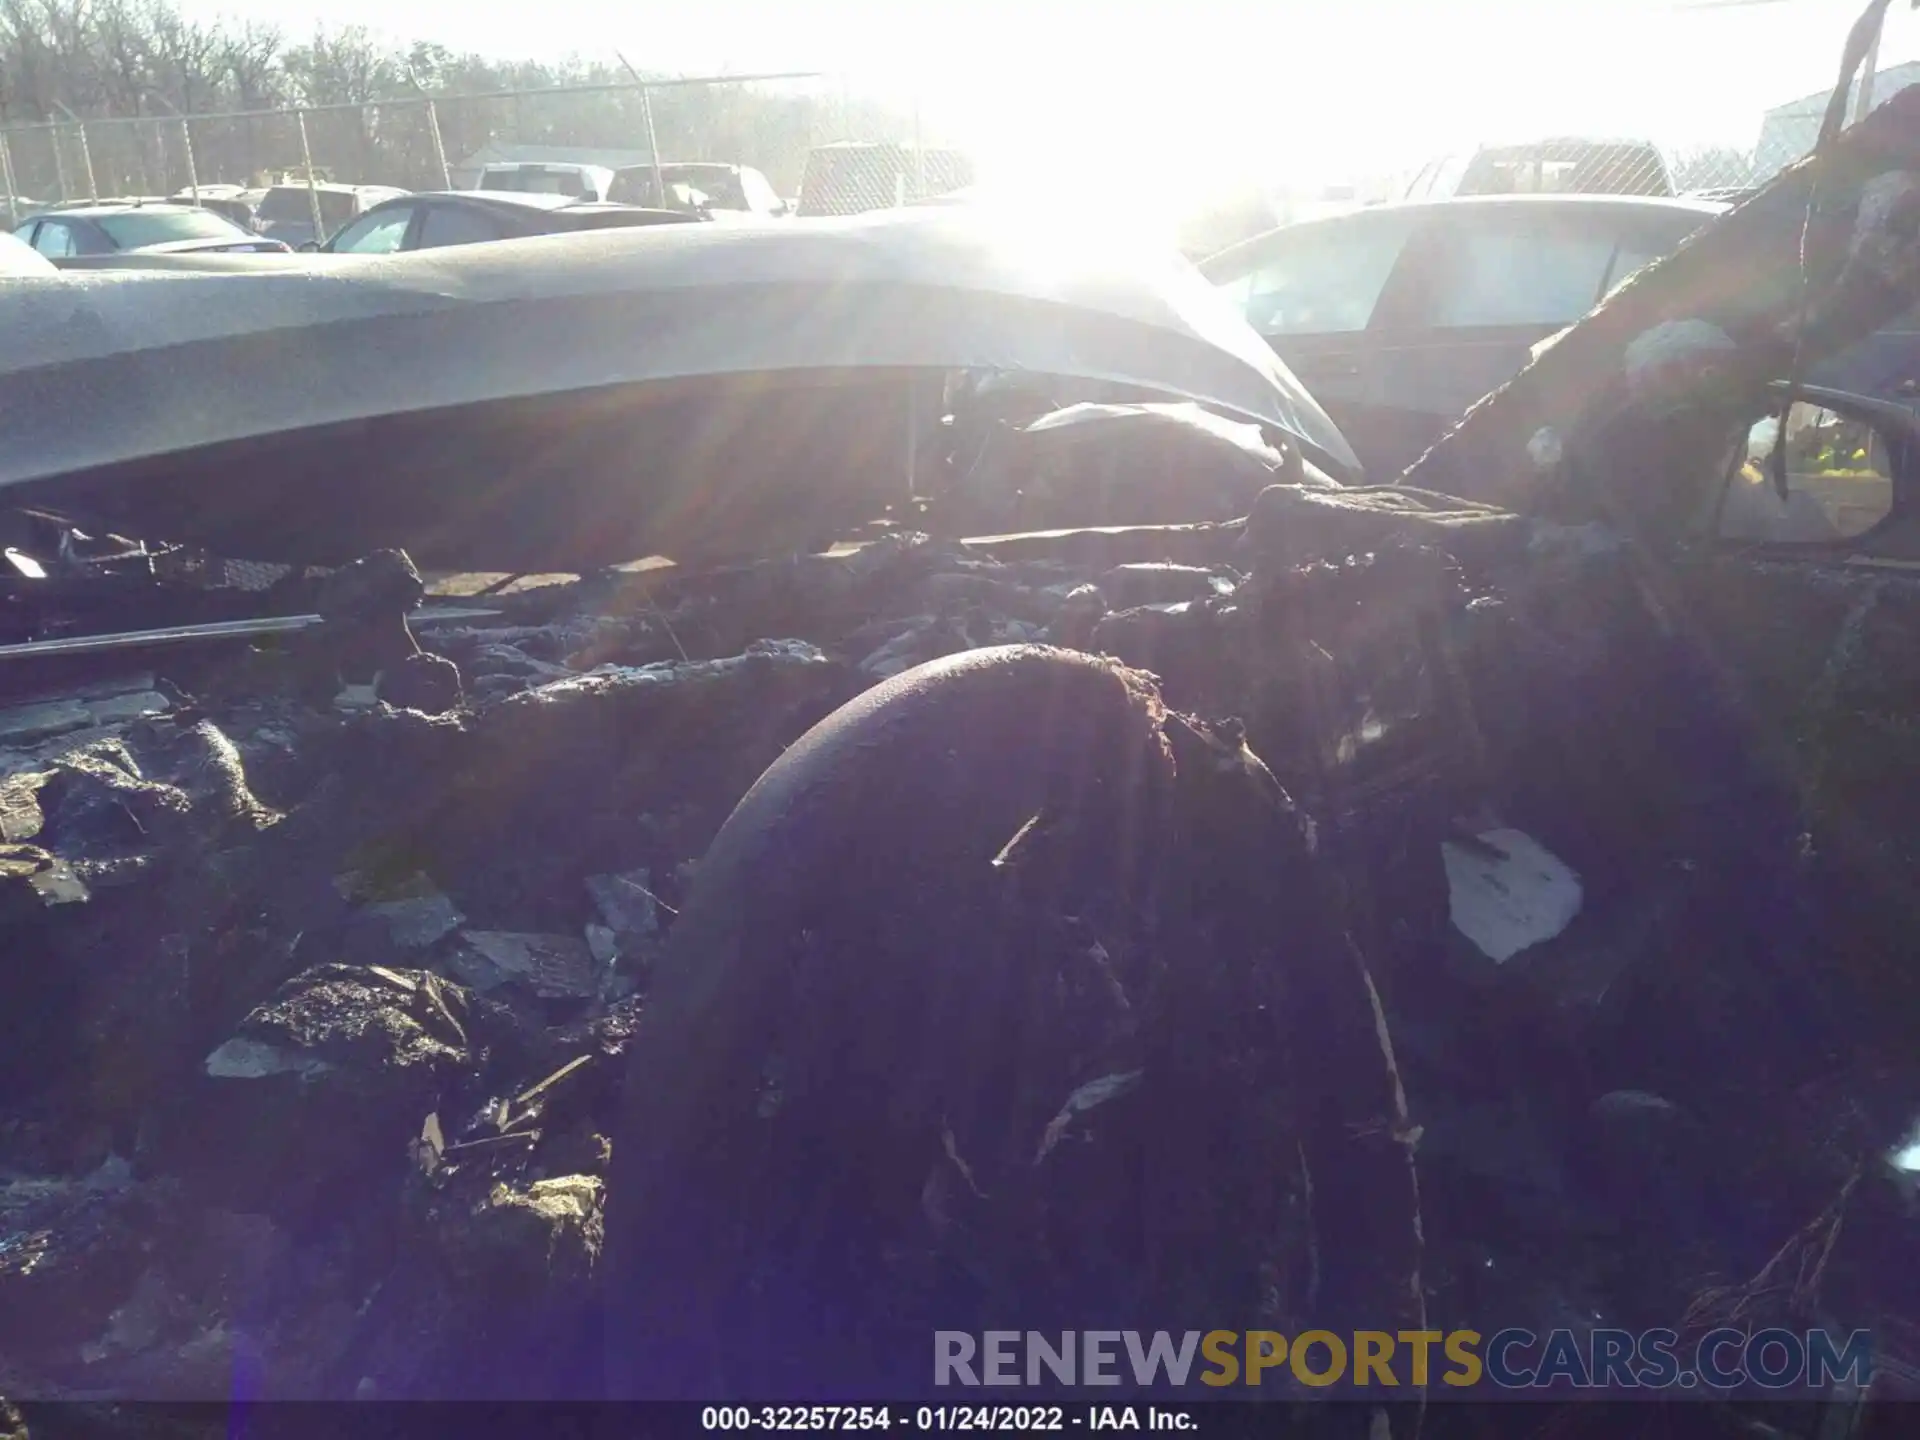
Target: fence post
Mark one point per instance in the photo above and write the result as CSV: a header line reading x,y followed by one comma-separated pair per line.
x,y
86,151
306,159
439,147
59,163
653,148
6,176
919,151
86,161
186,147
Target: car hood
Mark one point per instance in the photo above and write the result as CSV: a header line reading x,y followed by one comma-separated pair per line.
x,y
684,334
18,259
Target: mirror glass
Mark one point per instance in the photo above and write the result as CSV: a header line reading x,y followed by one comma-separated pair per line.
x,y
1839,481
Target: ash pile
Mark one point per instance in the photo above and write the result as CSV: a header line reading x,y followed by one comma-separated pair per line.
x,y
1251,867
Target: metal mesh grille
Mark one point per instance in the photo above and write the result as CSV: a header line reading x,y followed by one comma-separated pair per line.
x,y
852,177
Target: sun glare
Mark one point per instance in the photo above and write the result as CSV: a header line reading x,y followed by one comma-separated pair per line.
x,y
1156,115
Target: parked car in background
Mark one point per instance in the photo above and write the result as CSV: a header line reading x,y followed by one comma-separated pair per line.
x,y
633,187
575,182
1554,166
726,189
72,235
1399,317
286,211
852,176
232,201
434,219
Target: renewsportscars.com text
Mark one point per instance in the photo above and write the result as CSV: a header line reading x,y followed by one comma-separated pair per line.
x,y
1725,1359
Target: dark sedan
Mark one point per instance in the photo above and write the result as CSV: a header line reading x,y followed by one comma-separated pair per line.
x,y
1399,317
228,201
71,237
471,217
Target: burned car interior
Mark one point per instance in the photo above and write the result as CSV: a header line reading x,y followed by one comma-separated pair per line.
x,y
569,801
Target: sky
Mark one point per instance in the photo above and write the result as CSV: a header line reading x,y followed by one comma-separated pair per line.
x,y
1301,91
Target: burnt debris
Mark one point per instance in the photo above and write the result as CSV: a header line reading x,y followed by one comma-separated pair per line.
x,y
1346,907
364,997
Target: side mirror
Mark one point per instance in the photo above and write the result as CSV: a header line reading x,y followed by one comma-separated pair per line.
x,y
1849,464
309,247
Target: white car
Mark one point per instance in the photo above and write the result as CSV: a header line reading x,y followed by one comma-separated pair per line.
x,y
719,191
576,182
17,258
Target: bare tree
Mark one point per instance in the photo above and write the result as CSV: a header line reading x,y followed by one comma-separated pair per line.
x,y
123,41
144,61
250,59
186,57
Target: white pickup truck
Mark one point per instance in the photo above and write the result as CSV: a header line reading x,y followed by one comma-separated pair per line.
x,y
581,182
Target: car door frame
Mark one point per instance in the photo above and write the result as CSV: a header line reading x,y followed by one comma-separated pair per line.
x,y
1336,365
1402,334
66,223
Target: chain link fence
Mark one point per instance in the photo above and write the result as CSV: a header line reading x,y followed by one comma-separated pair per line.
x,y
820,146
1642,167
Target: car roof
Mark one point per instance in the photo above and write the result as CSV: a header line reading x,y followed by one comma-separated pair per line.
x,y
336,187
506,199
678,165
1705,210
615,207
523,200
570,167
94,210
524,203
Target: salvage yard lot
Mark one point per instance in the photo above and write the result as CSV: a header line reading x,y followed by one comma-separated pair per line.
x,y
1044,837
